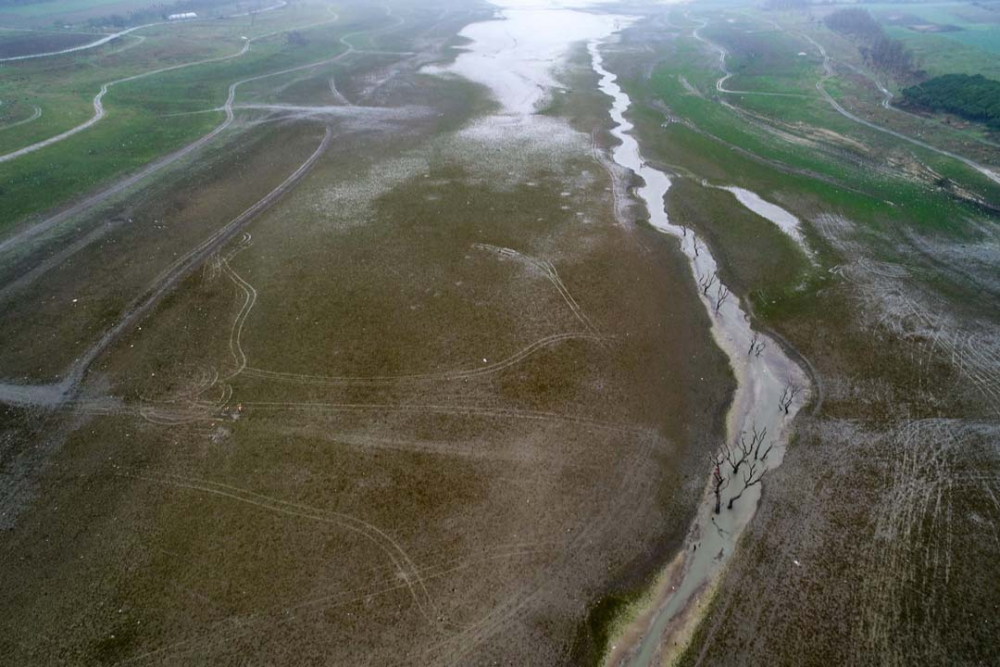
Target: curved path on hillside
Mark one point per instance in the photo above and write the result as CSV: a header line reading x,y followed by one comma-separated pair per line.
x,y
82,47
121,33
828,73
53,394
127,182
99,105
50,222
36,114
720,85
887,98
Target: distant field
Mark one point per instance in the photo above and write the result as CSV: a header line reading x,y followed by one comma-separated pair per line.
x,y
959,22
939,54
55,7
19,43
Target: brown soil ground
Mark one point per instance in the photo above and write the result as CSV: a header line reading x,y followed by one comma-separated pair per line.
x,y
417,412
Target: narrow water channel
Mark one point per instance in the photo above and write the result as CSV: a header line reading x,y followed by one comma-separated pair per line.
x,y
761,381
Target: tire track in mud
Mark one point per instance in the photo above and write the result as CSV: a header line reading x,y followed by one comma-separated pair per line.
x,y
524,353
883,290
390,547
454,650
51,222
223,630
227,108
35,115
908,568
549,269
167,280
545,266
250,298
82,47
446,410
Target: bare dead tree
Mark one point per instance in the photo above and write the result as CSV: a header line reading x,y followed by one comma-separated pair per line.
x,y
721,294
719,484
756,345
756,440
706,282
737,453
695,245
751,477
684,231
788,396
767,451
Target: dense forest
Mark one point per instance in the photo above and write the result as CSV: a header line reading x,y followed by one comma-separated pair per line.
x,y
877,49
971,97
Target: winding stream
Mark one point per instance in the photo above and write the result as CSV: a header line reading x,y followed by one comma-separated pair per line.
x,y
514,55
761,380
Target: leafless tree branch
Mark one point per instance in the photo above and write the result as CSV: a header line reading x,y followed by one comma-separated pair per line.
x,y
788,396
751,477
721,294
706,282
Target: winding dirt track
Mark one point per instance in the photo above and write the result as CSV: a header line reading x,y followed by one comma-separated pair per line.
x,y
827,74
720,84
99,106
36,114
82,47
52,221
57,393
121,33
887,98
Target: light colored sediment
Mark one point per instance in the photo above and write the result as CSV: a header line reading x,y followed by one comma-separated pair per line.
x,y
782,219
515,55
660,629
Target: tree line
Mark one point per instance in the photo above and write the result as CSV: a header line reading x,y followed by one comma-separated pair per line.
x,y
971,97
877,49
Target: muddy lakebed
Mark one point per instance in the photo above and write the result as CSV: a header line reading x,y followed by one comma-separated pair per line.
x,y
380,373
452,341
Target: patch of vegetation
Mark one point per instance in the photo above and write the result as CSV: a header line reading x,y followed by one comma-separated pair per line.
x,y
971,97
603,619
145,119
